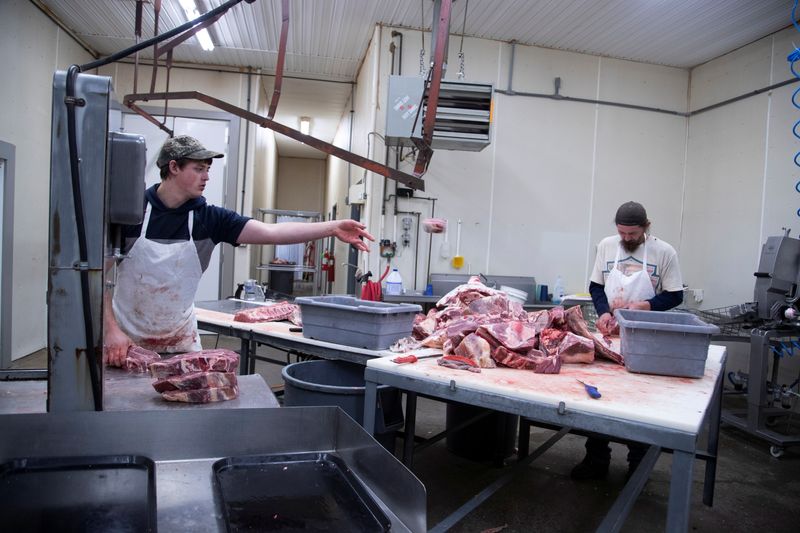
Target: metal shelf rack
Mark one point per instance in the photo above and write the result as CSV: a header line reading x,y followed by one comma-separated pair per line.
x,y
315,269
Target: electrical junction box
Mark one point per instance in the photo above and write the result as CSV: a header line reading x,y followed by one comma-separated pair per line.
x,y
357,194
463,114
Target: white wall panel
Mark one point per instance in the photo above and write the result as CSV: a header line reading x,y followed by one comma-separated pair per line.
x,y
645,85
739,72
535,70
722,205
639,157
31,49
542,192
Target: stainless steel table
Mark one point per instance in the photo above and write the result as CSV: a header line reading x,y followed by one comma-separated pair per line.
x,y
667,413
184,444
131,392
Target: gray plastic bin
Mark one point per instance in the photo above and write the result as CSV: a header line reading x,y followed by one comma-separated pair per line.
x,y
353,322
664,343
341,384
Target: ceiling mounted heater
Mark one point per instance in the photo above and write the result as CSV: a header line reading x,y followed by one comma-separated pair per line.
x,y
463,115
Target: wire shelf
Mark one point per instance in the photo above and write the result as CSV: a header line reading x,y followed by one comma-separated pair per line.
x,y
732,320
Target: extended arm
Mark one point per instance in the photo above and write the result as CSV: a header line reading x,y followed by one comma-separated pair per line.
x,y
348,231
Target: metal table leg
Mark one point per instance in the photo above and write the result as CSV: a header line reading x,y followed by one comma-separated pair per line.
x,y
244,357
680,491
370,406
410,429
713,445
616,516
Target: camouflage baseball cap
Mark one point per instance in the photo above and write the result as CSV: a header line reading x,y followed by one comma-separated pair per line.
x,y
184,146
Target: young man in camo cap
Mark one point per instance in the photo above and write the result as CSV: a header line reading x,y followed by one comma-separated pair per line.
x,y
153,300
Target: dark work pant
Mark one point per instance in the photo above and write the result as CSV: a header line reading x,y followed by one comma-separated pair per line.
x,y
598,450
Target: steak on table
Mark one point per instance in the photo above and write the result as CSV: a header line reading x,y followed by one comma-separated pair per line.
x,y
267,313
137,359
219,360
211,394
196,380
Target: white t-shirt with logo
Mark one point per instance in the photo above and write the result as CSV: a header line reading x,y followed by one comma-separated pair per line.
x,y
662,262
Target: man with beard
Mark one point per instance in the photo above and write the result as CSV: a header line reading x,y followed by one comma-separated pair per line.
x,y
632,270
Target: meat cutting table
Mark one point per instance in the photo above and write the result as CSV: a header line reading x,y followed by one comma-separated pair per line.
x,y
217,317
668,413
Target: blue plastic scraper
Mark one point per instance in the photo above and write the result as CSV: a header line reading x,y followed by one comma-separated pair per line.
x,y
591,390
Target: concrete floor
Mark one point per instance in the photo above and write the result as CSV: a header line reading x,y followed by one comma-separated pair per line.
x,y
754,491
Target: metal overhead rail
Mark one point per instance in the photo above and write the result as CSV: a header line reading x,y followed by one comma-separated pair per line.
x,y
414,182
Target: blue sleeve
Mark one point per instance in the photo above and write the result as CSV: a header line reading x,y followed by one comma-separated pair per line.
x,y
666,300
599,298
224,225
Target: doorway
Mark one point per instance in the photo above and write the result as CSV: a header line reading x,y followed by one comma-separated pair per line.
x,y
217,131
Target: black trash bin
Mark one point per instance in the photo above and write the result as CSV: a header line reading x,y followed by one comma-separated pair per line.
x,y
281,281
341,384
490,438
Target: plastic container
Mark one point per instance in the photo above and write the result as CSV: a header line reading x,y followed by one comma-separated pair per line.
x,y
341,384
515,294
353,322
394,284
664,343
558,291
253,291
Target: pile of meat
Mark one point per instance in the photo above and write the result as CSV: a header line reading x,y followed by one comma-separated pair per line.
x,y
197,377
479,327
271,313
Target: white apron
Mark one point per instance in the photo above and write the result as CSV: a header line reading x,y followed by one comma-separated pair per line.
x,y
154,296
621,289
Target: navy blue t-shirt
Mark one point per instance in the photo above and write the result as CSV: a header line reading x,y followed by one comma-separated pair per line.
x,y
212,225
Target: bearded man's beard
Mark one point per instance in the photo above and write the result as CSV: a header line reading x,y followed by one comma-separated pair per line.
x,y
631,246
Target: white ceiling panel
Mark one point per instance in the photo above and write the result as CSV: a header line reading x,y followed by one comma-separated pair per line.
x,y
328,38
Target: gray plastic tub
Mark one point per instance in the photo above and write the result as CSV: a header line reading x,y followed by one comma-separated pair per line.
x,y
664,343
353,322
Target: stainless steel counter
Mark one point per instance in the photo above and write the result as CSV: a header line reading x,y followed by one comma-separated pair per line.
x,y
185,442
131,392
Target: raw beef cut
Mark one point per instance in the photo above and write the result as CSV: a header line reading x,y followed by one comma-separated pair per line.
x,y
476,348
550,339
424,325
577,325
219,360
267,313
533,360
513,334
212,394
137,359
540,320
459,363
196,380
576,349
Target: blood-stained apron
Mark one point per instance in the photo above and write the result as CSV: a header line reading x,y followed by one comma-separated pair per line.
x,y
154,296
621,289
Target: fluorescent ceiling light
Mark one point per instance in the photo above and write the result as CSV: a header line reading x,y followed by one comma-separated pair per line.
x,y
190,8
305,125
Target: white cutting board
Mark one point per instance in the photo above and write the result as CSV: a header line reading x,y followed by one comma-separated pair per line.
x,y
676,403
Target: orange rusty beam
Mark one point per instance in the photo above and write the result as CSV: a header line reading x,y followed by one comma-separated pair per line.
x,y
413,182
276,92
442,34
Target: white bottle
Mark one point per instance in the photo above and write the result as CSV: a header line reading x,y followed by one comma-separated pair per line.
x,y
558,291
394,284
250,290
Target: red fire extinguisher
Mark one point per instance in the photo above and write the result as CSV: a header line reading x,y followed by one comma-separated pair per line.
x,y
329,265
